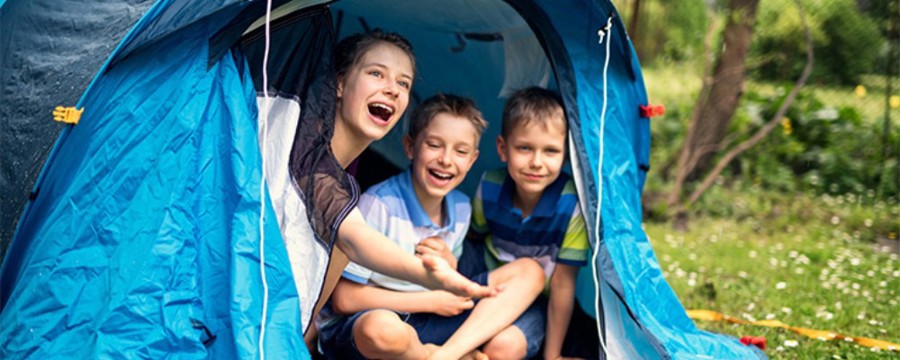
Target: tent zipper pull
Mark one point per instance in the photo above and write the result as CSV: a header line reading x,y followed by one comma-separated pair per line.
x,y
67,114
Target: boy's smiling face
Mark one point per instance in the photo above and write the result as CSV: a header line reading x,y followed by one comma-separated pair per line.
x,y
441,155
534,152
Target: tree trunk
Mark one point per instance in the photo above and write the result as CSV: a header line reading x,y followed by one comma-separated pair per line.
x,y
635,17
718,99
771,124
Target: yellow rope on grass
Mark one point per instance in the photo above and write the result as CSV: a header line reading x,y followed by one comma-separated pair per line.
x,y
709,315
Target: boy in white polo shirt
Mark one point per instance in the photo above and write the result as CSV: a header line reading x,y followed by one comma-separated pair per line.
x,y
376,316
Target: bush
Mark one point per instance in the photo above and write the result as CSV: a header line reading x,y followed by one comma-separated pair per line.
x,y
820,148
847,43
670,31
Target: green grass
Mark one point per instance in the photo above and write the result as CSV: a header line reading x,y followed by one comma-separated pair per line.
x,y
812,261
799,259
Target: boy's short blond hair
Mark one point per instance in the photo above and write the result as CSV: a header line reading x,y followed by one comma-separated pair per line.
x,y
446,104
531,104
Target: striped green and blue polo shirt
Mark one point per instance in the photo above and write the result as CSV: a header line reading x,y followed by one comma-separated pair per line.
x,y
553,233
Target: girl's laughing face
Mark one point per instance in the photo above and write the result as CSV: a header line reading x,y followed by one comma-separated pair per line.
x,y
374,93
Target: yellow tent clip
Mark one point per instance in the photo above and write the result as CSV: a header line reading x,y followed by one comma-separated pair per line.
x,y
67,114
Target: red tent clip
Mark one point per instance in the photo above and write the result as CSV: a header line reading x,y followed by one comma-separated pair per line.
x,y
649,111
757,341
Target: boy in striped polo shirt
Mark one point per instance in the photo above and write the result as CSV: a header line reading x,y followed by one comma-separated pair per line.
x,y
372,315
530,208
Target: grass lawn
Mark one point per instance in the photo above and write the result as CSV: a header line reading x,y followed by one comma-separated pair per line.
x,y
826,262
803,260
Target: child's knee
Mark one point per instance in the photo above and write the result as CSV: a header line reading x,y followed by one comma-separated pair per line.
x,y
529,270
508,344
380,332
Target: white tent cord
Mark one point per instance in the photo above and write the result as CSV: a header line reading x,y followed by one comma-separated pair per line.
x,y
601,33
264,128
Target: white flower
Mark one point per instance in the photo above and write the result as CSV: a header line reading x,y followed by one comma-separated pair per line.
x,y
825,315
791,343
786,310
770,316
781,285
752,253
748,317
751,306
835,220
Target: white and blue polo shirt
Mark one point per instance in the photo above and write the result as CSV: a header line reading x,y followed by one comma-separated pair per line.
x,y
392,208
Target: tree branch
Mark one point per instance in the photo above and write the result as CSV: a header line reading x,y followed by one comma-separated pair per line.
x,y
767,128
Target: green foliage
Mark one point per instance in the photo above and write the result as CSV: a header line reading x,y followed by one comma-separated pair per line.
x,y
881,11
847,43
829,150
669,30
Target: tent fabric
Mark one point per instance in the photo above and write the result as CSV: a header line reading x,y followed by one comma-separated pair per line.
x,y
49,51
143,237
311,192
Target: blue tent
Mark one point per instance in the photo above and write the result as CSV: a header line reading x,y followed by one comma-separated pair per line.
x,y
144,236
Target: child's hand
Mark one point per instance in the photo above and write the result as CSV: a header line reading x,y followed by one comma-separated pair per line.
x,y
446,304
441,275
436,246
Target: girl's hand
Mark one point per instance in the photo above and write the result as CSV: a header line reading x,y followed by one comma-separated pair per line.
x,y
446,304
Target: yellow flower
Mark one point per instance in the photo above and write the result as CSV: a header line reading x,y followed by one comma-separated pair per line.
x,y
786,126
860,91
895,101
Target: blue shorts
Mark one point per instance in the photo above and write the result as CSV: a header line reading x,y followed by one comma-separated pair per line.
x,y
336,340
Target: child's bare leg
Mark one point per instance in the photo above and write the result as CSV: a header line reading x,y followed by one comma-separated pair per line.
x,y
522,281
508,344
475,355
380,334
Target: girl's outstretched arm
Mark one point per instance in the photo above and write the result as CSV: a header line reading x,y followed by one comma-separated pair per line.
x,y
369,248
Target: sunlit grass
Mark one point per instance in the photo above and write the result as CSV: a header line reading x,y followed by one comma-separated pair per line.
x,y
801,263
